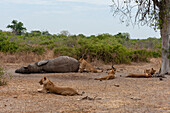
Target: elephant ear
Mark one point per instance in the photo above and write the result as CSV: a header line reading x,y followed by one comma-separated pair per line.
x,y
43,62
25,67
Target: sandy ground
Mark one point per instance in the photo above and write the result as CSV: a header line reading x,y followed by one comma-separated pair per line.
x,y
120,95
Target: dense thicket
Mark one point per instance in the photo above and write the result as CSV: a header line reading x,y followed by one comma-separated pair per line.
x,y
117,48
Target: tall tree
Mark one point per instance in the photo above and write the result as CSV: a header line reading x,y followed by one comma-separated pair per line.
x,y
155,13
17,27
65,32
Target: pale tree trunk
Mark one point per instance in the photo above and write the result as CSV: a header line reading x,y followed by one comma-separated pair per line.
x,y
165,35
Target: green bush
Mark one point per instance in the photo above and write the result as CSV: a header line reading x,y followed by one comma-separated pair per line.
x,y
140,55
7,46
38,50
156,54
65,51
25,48
117,48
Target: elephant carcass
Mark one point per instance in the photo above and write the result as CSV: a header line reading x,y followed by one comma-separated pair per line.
x,y
61,64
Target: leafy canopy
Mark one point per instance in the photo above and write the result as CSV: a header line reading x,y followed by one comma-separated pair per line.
x,y
17,27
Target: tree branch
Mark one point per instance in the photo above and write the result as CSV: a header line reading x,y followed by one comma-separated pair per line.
x,y
157,3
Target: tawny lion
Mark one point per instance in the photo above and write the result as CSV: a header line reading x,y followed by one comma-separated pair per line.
x,y
84,65
138,75
49,87
111,75
147,74
150,71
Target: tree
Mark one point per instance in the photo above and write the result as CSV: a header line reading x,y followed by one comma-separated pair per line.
x,y
65,32
17,27
123,36
46,33
155,13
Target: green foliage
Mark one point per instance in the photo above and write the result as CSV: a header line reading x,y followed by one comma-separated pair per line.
x,y
156,54
39,50
17,27
117,48
140,55
46,33
64,33
143,55
65,51
7,46
35,33
121,55
125,36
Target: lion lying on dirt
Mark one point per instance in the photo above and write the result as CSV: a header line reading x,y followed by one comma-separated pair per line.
x,y
49,87
84,65
138,75
147,74
111,75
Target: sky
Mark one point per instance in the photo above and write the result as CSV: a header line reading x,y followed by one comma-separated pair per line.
x,y
88,17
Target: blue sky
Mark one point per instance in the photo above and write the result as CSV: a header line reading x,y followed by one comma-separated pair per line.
x,y
88,17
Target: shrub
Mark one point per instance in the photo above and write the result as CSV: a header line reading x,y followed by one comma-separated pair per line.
x,y
140,55
7,46
121,54
109,48
38,50
65,51
156,54
3,77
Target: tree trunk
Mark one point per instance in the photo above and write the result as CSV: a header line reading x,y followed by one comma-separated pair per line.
x,y
165,35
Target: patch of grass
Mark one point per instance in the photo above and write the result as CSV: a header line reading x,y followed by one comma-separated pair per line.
x,y
3,77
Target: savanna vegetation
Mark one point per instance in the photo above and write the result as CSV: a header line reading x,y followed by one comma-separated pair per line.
x,y
119,48
4,77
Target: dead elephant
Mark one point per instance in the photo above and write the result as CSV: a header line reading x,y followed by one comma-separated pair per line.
x,y
61,64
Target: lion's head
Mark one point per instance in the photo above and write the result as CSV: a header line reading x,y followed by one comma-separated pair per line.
x,y
43,80
81,59
152,71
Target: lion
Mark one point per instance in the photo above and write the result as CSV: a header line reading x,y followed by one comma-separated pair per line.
x,y
111,75
150,71
84,65
49,87
138,75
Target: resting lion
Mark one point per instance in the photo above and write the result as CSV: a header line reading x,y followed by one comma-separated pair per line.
x,y
138,75
150,71
111,75
84,65
49,87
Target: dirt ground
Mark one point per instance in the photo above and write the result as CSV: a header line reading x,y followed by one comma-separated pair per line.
x,y
120,95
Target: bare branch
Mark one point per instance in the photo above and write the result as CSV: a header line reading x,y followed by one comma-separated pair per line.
x,y
146,11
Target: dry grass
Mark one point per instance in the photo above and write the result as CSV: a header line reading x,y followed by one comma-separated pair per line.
x,y
24,57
